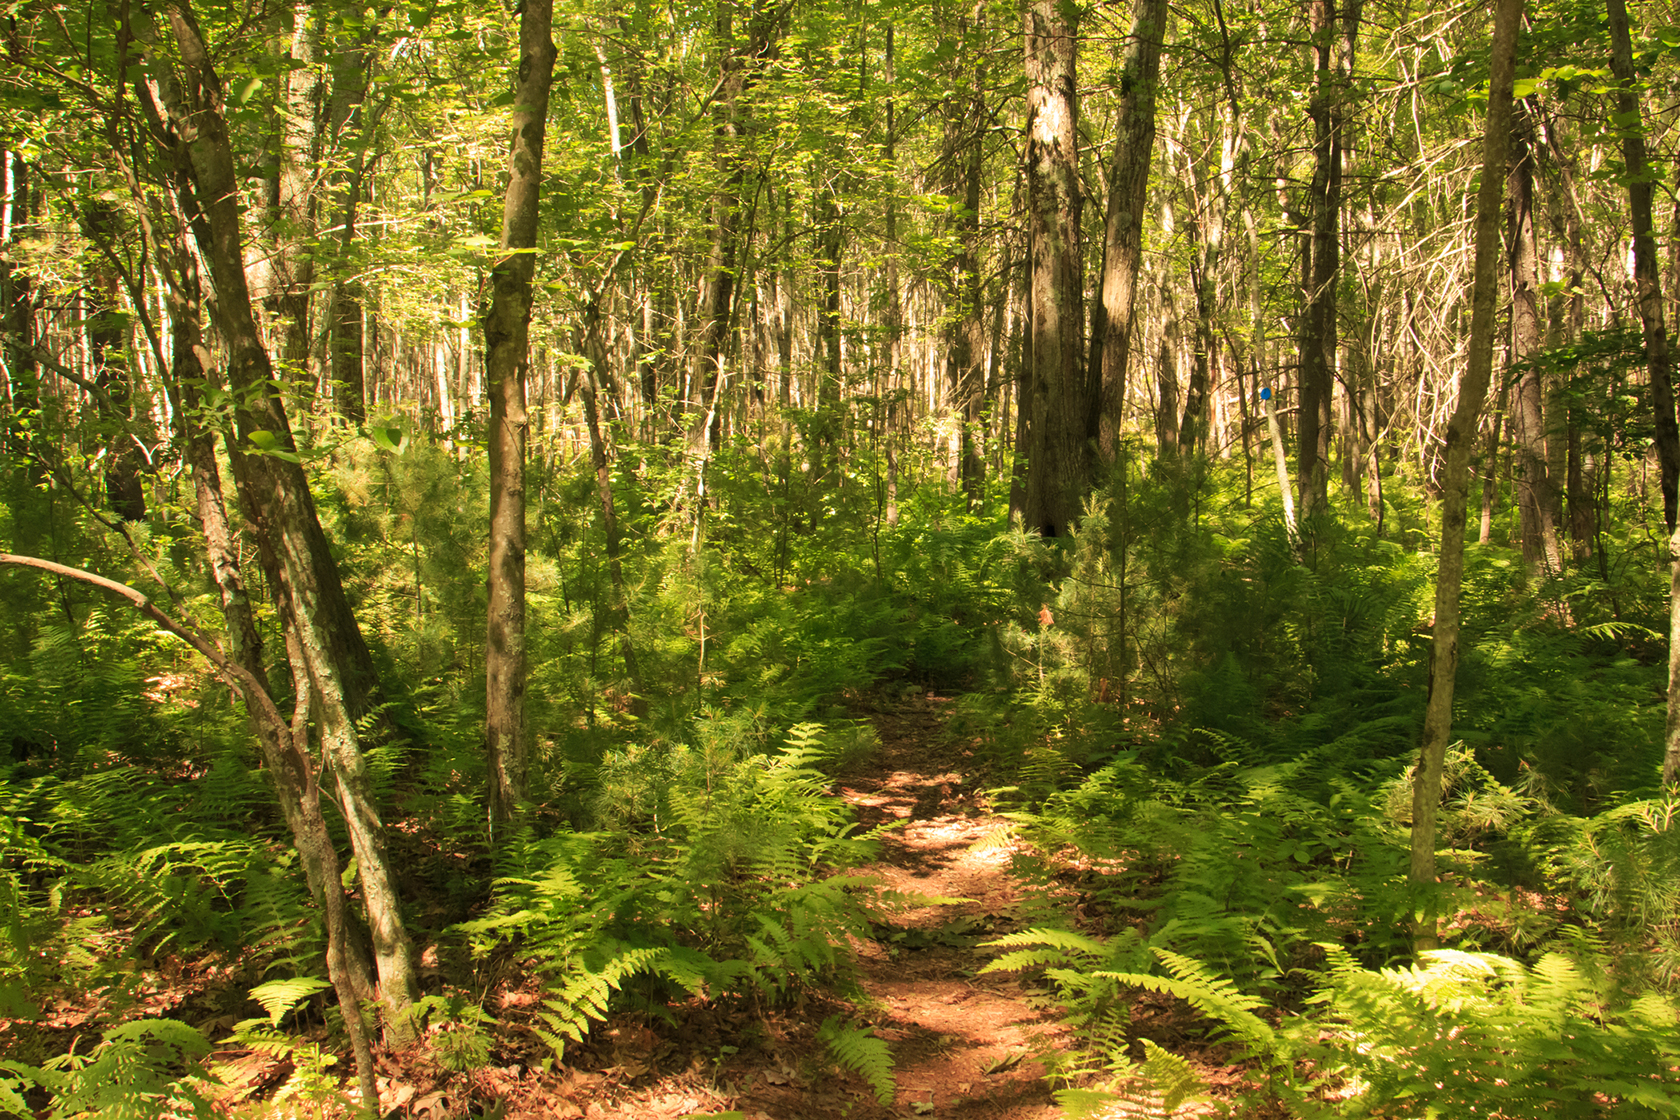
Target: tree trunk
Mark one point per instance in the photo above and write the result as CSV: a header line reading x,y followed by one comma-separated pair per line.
x,y
276,494
1333,58
1057,472
1537,500
125,489
349,134
965,341
1128,184
17,324
507,324
1658,362
286,752
292,206
1461,436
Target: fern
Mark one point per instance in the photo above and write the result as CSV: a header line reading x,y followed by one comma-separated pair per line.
x,y
139,1071
277,997
1475,1031
1214,996
857,1049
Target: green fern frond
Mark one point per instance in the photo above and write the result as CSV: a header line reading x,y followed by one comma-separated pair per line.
x,y
1085,1104
1063,939
857,1049
1171,1076
277,997
1025,959
1217,997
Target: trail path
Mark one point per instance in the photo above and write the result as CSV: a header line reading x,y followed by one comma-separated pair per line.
x,y
960,1040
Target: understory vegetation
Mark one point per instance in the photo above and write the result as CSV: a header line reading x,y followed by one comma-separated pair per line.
x,y
1202,725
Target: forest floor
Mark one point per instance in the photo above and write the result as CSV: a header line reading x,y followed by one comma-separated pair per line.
x,y
963,1044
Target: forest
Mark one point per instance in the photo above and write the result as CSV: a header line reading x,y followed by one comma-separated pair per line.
x,y
799,559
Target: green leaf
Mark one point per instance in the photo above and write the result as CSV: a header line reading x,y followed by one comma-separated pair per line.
x,y
394,440
265,442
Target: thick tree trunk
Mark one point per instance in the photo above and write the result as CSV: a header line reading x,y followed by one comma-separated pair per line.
x,y
507,354
1333,44
1058,471
1461,436
349,133
1658,361
1128,183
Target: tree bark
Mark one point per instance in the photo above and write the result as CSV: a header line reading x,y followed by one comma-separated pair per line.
x,y
1537,497
1647,281
1461,436
965,334
273,487
349,134
1128,184
1333,44
292,205
1057,472
507,324
106,325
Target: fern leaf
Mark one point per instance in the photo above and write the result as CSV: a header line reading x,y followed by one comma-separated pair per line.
x,y
1052,939
1214,996
1084,1104
1025,959
1171,1076
857,1049
277,997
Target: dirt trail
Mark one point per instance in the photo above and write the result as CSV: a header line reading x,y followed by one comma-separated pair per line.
x,y
960,1040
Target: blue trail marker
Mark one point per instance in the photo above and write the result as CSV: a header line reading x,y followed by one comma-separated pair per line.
x,y
1266,393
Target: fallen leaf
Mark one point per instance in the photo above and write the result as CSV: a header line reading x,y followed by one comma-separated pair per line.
x,y
1004,1064
433,1105
922,1108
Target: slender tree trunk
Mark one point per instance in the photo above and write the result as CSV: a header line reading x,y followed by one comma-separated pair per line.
x,y
593,346
826,430
17,324
275,492
125,489
1461,436
286,752
1058,471
965,344
292,207
507,323
1537,501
